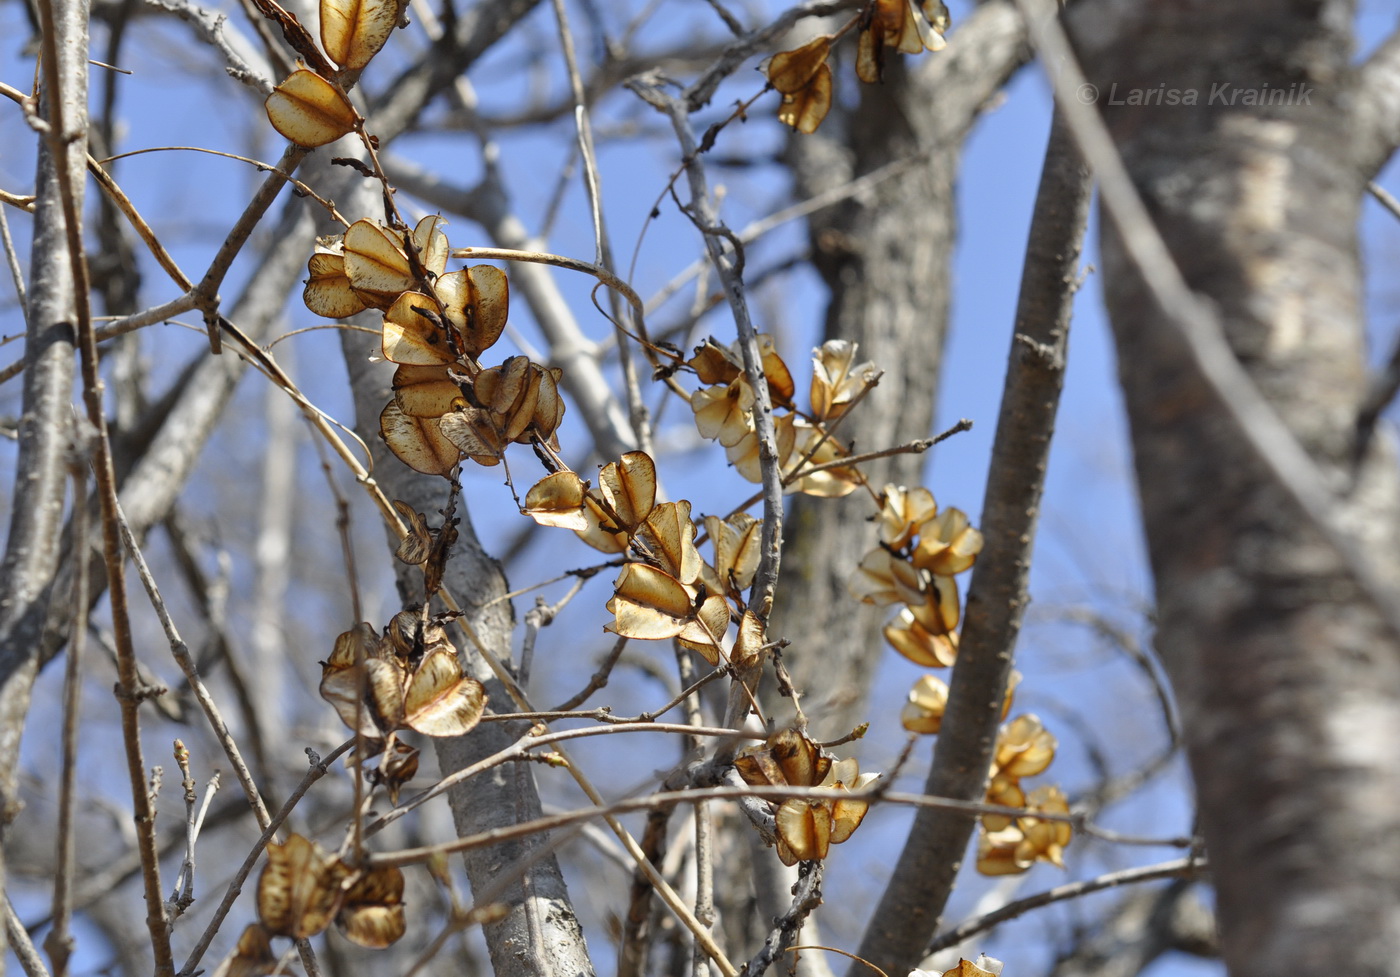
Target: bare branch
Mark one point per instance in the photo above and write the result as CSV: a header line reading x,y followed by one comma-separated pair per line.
x,y
997,595
20,944
1181,868
1376,106
244,63
806,896
181,653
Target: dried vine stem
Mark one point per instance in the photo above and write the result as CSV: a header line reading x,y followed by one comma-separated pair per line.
x,y
702,212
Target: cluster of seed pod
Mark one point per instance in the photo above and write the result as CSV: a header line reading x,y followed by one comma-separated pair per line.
x,y
437,324
803,77
724,407
921,550
806,827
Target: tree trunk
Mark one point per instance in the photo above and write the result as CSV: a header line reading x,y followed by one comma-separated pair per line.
x,y
885,255
1287,676
539,933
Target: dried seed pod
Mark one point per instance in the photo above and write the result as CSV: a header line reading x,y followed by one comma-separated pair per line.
x,y
309,110
299,888
371,914
354,31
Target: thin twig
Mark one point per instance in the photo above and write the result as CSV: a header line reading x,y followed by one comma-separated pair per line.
x,y
1119,638
540,616
1119,838
181,653
12,261
700,91
1384,197
242,61
183,895
485,839
21,945
605,276
641,426
208,290
636,923
59,941
524,745
806,896
1188,868
908,448
597,680
756,229
121,326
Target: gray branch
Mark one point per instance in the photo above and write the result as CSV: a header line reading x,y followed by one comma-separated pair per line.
x,y
924,874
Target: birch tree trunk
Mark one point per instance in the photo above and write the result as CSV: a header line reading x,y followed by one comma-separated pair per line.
x,y
1287,675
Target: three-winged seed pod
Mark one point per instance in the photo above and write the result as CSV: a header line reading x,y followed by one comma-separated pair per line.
x,y
310,107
